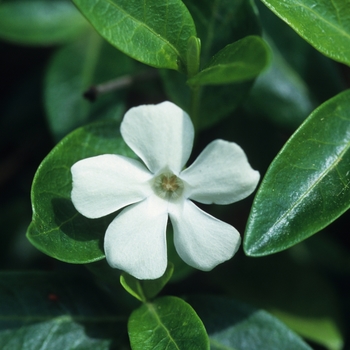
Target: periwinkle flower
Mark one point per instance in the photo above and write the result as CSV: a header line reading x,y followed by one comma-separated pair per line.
x,y
159,187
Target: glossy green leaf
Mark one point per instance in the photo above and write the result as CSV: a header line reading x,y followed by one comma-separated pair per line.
x,y
167,323
235,326
324,24
67,79
144,290
55,311
219,23
307,185
40,22
155,33
57,229
280,94
241,61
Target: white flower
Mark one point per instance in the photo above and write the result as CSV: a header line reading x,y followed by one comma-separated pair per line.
x,y
162,136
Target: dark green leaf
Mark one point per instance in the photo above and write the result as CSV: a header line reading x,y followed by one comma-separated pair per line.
x,y
67,79
237,62
280,94
55,311
167,323
219,23
291,288
155,33
40,22
324,24
222,22
235,326
146,289
307,185
57,229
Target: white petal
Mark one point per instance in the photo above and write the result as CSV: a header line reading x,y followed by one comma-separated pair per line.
x,y
135,241
201,240
106,183
161,135
221,174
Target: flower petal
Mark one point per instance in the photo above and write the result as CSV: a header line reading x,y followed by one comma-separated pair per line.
x,y
106,183
201,240
161,135
221,174
135,241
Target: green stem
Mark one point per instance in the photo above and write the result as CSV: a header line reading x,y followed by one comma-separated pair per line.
x,y
194,109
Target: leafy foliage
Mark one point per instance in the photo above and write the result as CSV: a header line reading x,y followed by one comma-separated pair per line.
x,y
172,324
44,22
271,76
324,24
57,228
56,311
307,184
154,33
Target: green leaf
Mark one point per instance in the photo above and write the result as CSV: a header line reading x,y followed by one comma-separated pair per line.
x,y
193,55
66,81
144,290
307,185
155,33
237,62
222,22
57,229
325,24
54,311
291,288
40,22
167,323
218,23
235,326
280,94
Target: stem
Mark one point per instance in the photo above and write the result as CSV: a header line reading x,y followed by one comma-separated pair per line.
x,y
194,109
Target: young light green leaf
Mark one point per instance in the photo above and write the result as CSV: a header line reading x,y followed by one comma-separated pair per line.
x,y
57,229
193,55
235,326
238,62
324,24
307,185
155,33
144,290
41,22
55,311
167,323
66,81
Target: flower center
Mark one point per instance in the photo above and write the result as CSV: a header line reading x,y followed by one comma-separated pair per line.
x,y
168,186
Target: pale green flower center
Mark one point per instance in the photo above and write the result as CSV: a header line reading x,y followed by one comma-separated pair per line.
x,y
168,186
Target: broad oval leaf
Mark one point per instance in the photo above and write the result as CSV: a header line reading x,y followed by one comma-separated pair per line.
x,y
167,323
55,311
57,229
144,290
324,24
235,326
238,62
155,33
66,80
307,185
40,22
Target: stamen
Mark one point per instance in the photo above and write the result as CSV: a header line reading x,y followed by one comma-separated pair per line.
x,y
168,186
